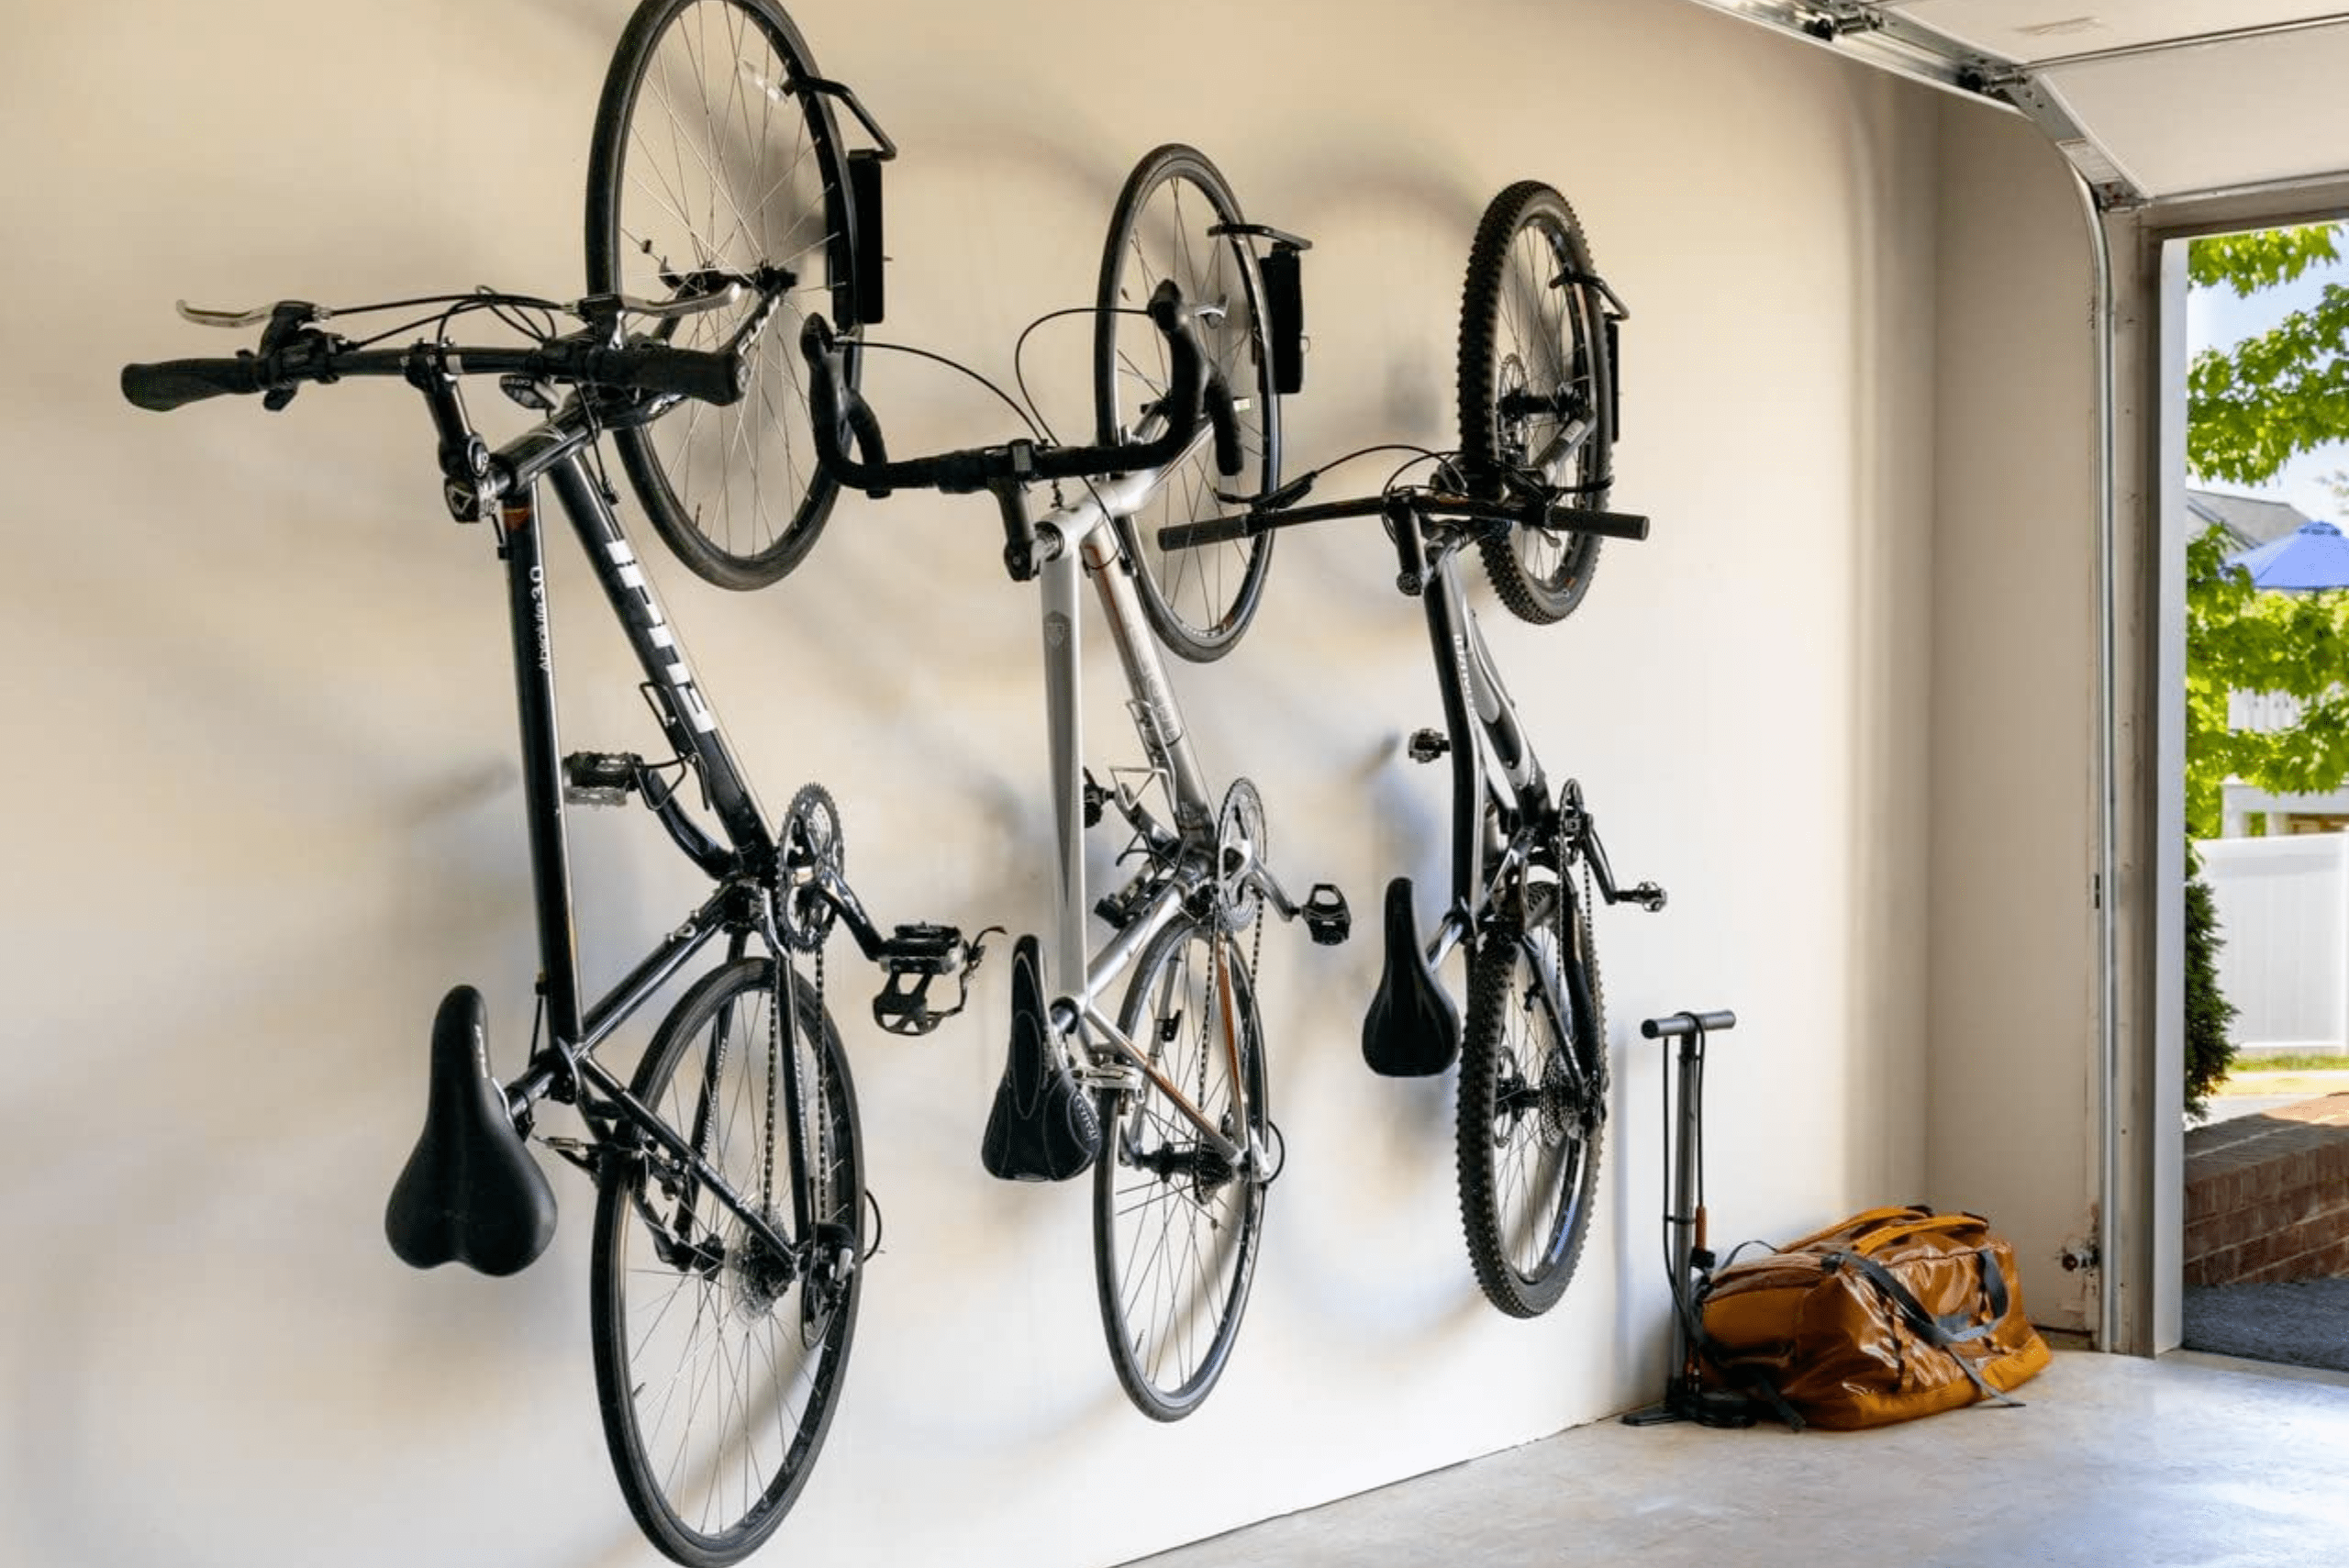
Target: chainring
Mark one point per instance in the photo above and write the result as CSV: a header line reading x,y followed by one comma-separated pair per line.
x,y
813,848
1242,842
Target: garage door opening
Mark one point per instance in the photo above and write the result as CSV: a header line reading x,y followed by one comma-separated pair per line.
x,y
2265,1250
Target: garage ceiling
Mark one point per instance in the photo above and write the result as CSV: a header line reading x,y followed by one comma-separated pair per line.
x,y
2152,100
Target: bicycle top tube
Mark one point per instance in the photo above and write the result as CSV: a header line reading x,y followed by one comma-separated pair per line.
x,y
840,411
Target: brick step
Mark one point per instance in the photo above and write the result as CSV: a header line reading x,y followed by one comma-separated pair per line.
x,y
2268,1196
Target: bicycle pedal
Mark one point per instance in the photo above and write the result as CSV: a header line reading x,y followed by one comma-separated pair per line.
x,y
600,778
915,957
1427,745
1328,920
1648,896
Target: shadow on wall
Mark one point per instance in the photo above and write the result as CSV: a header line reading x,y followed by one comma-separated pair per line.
x,y
1888,551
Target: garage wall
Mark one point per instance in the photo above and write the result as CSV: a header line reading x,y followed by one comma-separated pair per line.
x,y
2015,728
264,809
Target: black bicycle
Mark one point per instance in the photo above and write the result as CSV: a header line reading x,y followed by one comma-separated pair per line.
x,y
731,1217
1532,1096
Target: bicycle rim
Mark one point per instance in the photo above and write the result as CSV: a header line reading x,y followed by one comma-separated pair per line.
x,y
1175,1228
718,1362
1532,359
1533,1088
709,165
1200,601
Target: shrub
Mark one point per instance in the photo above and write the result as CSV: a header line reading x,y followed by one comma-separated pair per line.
x,y
2209,1050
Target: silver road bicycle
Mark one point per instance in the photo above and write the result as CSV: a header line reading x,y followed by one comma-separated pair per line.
x,y
1159,1089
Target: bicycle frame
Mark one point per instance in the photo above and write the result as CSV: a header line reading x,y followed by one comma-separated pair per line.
x,y
556,450
1492,757
1077,540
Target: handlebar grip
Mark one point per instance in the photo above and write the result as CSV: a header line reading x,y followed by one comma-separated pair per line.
x,y
1543,514
1679,1024
176,382
1224,416
717,378
1210,530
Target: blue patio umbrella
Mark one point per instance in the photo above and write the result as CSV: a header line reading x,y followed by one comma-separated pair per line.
x,y
2312,556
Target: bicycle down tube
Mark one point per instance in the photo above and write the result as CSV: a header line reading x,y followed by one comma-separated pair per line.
x,y
1477,708
687,720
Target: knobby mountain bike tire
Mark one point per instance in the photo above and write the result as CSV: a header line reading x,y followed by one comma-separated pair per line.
x,y
1533,356
1532,1098
1200,601
1175,1228
711,164
718,1363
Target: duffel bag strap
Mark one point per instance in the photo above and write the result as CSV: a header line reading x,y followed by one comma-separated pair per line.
x,y
1884,1235
1861,1221
1929,1329
1750,1382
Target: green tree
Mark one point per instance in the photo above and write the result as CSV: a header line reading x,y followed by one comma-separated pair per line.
x,y
2250,409
2254,407
2239,639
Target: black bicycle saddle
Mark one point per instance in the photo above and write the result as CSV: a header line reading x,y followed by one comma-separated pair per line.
x,y
470,1192
1412,1030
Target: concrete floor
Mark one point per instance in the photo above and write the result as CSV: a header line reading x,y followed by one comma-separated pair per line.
x,y
2113,1462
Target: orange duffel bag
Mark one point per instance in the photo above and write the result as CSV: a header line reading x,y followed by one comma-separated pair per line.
x,y
1893,1314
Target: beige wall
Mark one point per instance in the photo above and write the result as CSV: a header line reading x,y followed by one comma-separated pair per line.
x,y
2016,725
264,809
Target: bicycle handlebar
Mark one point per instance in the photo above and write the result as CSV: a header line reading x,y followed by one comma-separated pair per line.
x,y
1540,511
713,376
839,412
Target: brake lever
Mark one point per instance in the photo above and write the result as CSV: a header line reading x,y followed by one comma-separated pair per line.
x,y
253,317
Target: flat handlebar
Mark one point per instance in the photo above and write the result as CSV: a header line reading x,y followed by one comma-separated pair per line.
x,y
840,413
1543,510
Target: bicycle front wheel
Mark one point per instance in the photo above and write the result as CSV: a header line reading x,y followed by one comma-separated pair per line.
x,y
1200,601
712,164
1534,372
1175,1223
719,1357
1532,1099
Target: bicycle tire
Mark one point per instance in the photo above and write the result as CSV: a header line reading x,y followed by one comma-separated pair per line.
x,y
707,163
1200,601
1531,333
1163,1205
710,1483
1531,1119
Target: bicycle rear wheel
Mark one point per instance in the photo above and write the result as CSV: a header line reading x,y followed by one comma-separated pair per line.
x,y
1175,1225
1533,366
1532,1099
719,1360
1200,601
712,164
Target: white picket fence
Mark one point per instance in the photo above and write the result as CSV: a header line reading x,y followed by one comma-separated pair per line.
x,y
2283,908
